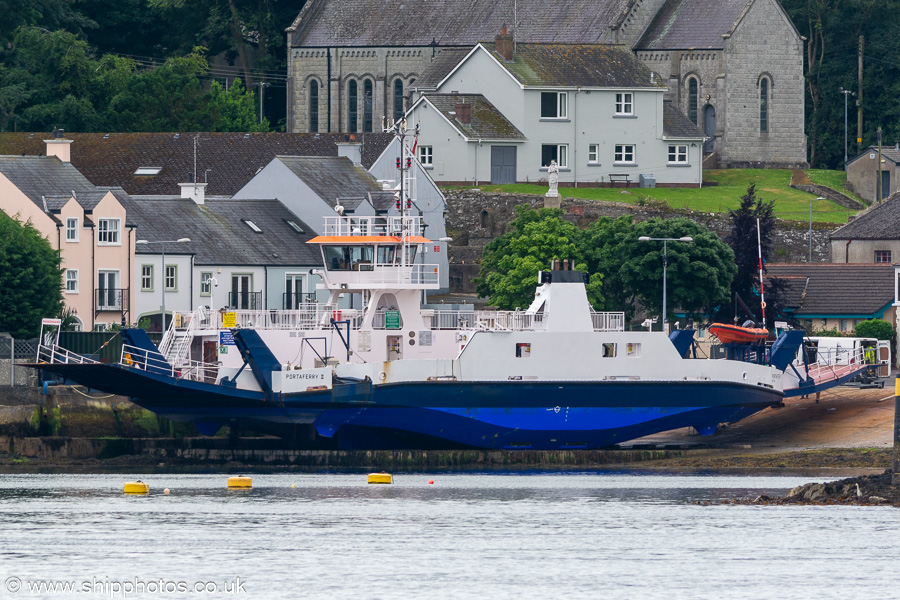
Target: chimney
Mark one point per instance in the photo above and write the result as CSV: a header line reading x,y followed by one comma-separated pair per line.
x,y
59,146
352,150
464,112
504,44
194,191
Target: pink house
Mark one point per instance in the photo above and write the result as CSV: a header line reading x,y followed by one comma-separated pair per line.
x,y
85,223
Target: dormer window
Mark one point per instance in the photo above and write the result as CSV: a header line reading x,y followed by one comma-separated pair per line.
x,y
554,105
147,171
252,225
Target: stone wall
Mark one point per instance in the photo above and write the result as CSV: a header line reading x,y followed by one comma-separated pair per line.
x,y
475,218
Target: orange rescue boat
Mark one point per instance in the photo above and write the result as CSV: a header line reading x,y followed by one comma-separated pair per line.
x,y
732,334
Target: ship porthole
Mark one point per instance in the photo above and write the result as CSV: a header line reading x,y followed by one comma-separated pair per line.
x,y
382,376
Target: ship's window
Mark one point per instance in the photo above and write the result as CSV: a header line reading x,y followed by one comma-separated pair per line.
x,y
609,350
386,255
347,258
523,350
633,350
411,254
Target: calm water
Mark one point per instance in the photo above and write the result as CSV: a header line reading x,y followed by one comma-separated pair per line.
x,y
572,535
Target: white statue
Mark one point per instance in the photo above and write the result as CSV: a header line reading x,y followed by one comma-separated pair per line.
x,y
553,179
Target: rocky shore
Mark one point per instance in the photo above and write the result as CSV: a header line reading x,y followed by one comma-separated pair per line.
x,y
866,490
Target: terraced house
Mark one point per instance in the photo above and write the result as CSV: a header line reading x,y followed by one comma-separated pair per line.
x,y
734,68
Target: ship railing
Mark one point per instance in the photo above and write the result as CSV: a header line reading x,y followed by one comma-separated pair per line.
x,y
832,363
307,316
608,321
374,226
56,355
140,358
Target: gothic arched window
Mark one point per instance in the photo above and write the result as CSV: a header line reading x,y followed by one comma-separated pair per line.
x,y
313,106
764,105
398,99
693,99
353,106
367,105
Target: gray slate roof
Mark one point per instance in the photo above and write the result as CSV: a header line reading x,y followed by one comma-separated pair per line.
x,y
333,177
836,289
878,222
440,67
487,122
328,23
382,201
891,153
37,176
232,159
218,234
573,65
677,125
690,24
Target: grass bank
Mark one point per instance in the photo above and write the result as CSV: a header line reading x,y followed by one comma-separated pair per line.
x,y
721,192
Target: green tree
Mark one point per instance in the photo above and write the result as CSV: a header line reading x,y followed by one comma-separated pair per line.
x,y
601,243
234,110
698,274
30,278
511,262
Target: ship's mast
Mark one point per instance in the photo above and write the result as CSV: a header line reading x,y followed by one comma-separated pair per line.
x,y
404,199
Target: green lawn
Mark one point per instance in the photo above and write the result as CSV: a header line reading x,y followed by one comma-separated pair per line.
x,y
728,185
836,180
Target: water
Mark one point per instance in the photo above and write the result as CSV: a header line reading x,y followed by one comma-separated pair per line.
x,y
572,535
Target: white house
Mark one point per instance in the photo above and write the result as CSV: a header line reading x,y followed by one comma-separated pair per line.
x,y
505,111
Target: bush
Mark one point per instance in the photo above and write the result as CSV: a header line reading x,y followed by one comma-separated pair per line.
x,y
875,328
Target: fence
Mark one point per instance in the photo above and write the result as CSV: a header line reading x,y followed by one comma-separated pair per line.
x,y
14,351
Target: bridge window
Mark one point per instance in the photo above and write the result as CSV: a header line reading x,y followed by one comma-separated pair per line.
x,y
386,255
348,258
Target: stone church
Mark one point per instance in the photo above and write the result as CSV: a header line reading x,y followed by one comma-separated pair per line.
x,y
733,67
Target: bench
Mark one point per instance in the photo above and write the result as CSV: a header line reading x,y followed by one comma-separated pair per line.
x,y
623,177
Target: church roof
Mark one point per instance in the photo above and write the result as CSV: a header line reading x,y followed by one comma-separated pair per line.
x,y
577,65
692,24
677,125
487,122
227,161
329,23
878,222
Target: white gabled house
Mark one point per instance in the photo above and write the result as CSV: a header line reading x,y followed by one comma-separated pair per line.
x,y
505,110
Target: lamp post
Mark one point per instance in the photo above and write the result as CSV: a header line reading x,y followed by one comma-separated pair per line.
x,y
809,260
846,93
162,245
644,238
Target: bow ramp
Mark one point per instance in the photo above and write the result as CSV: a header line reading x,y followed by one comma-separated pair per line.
x,y
258,357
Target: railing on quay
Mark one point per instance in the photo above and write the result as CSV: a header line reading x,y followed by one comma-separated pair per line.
x,y
193,370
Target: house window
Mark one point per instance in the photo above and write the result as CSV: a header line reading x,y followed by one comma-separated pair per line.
x,y
313,106
693,100
72,229
594,154
398,99
353,106
624,103
764,106
624,154
71,281
108,231
554,105
367,105
426,156
146,278
843,324
171,273
557,152
882,256
678,155
205,283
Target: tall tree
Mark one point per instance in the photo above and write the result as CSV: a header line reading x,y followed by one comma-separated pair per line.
x,y
234,110
30,278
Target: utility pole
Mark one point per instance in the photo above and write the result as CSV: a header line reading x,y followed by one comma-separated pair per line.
x,y
845,93
879,193
262,86
859,97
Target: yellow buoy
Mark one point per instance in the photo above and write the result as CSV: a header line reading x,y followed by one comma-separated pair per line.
x,y
137,487
240,482
380,478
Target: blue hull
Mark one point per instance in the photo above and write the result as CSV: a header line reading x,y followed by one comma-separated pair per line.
x,y
501,415
541,416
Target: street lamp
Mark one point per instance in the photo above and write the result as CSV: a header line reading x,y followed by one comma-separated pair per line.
x,y
162,245
644,238
846,93
809,260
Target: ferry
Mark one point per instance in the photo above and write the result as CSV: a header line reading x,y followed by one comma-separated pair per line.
x,y
397,374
